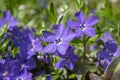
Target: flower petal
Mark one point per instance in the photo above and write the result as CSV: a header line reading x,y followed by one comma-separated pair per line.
x,y
60,64
30,64
30,54
62,48
80,17
111,46
2,22
72,24
12,22
69,65
91,21
89,31
103,55
79,33
117,53
51,48
74,58
51,38
45,35
59,29
68,35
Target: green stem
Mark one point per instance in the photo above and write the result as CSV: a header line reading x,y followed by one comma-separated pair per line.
x,y
84,45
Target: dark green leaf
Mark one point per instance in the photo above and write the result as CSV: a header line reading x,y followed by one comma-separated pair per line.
x,y
4,45
52,9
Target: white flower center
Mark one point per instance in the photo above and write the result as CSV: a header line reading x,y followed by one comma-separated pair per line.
x,y
82,27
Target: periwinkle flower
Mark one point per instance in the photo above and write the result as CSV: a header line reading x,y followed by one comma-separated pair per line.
x,y
83,25
108,49
12,22
9,68
25,40
34,46
12,70
67,60
60,40
25,63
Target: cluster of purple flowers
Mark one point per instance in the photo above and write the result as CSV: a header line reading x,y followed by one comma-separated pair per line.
x,y
108,50
22,66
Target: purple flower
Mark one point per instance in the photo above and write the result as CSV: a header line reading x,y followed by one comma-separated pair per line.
x,y
83,25
25,40
60,40
12,22
108,49
25,63
34,46
67,60
12,70
109,45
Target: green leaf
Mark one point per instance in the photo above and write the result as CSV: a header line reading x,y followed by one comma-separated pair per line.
x,y
4,45
94,38
52,9
14,50
76,41
59,19
51,13
113,70
65,16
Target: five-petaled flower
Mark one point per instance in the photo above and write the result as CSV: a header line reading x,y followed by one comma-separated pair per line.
x,y
12,22
60,40
83,25
68,59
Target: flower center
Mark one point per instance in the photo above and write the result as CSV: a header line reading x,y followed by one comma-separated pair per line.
x,y
58,40
82,27
31,46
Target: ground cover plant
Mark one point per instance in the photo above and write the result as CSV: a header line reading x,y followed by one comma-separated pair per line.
x,y
59,40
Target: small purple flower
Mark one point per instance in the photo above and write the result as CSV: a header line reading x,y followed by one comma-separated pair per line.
x,y
25,40
67,60
60,40
108,49
25,63
34,46
12,70
12,22
83,25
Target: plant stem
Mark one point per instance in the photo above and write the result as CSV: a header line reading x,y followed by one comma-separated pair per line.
x,y
84,45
